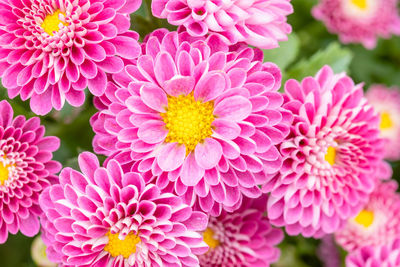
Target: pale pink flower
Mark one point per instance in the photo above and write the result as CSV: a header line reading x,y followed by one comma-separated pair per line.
x,y
332,157
52,50
261,23
359,21
378,222
107,217
386,101
387,255
197,117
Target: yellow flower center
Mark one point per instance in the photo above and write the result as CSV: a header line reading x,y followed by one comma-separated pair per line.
x,y
365,218
51,23
4,173
386,121
361,4
124,247
330,155
188,121
208,237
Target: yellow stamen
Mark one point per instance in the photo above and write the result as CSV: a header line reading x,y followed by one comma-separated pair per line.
x,y
188,121
208,237
386,121
361,4
4,173
51,22
365,218
124,247
330,155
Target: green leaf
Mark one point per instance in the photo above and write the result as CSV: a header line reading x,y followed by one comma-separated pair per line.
x,y
143,22
72,163
334,55
285,54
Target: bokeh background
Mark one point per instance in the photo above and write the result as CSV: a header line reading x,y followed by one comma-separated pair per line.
x,y
309,47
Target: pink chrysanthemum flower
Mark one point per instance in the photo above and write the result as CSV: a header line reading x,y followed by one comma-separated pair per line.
x,y
242,238
26,169
331,156
52,50
197,118
105,217
261,23
387,102
387,255
378,222
359,21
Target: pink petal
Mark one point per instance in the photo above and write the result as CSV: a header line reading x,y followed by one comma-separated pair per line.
x,y
75,98
6,114
88,69
235,108
41,104
210,87
98,84
208,153
111,65
95,52
126,47
179,85
130,6
227,129
191,172
171,156
29,226
3,233
197,221
88,164
164,68
152,132
154,97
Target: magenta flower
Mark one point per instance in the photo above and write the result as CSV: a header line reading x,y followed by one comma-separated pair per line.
x,y
378,223
359,21
52,50
387,255
105,217
386,101
261,23
331,157
26,169
242,238
196,119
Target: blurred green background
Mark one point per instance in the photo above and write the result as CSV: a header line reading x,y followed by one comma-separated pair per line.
x,y
309,47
